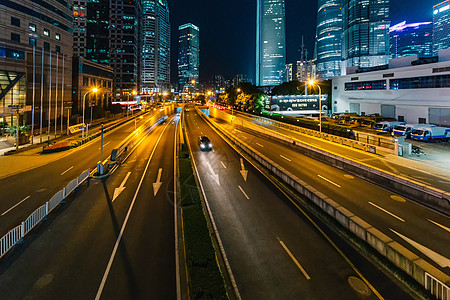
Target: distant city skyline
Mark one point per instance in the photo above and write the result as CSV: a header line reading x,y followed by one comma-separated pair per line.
x,y
228,34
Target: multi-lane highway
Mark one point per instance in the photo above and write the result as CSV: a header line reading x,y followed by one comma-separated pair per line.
x,y
114,240
274,251
419,229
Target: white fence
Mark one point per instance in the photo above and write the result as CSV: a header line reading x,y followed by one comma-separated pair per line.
x,y
16,234
436,287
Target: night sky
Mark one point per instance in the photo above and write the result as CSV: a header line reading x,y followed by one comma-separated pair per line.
x,y
227,30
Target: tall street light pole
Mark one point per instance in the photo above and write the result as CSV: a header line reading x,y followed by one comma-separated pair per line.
x,y
94,90
312,83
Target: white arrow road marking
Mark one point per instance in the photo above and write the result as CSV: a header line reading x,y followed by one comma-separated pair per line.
x,y
329,180
213,175
439,259
389,213
158,183
119,190
243,171
66,170
442,226
26,198
242,190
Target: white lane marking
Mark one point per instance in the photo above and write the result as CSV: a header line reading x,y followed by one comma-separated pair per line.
x,y
260,145
175,213
439,259
244,137
243,192
285,158
26,198
66,170
382,209
223,164
213,174
104,145
442,226
294,260
326,179
125,222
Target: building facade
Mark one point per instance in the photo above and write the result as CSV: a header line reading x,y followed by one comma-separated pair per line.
x,y
35,61
305,70
328,47
270,42
289,73
365,38
412,90
441,26
188,56
410,39
155,49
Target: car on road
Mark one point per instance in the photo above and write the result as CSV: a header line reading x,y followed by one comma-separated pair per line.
x,y
204,143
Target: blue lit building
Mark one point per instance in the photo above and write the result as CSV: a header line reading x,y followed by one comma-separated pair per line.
x,y
365,39
410,39
270,42
441,25
328,47
188,56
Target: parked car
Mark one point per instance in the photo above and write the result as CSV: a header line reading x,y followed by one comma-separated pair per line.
x,y
204,143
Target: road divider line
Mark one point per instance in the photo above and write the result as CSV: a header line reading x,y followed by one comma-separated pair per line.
x,y
223,164
389,213
244,137
66,170
243,192
294,260
260,145
326,179
437,224
285,158
104,145
125,222
26,198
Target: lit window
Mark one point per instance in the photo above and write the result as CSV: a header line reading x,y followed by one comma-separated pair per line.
x,y
32,27
46,32
58,36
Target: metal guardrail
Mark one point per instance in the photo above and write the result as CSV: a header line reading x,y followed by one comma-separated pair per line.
x,y
16,235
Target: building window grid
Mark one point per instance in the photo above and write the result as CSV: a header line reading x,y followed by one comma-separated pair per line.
x,y
366,85
423,82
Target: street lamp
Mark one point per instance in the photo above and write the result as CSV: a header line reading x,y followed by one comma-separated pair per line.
x,y
94,90
312,83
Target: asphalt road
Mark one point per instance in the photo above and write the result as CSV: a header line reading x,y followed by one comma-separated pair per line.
x,y
22,193
100,246
274,251
395,216
396,167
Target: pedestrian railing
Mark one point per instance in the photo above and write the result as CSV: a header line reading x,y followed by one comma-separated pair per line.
x,y
16,235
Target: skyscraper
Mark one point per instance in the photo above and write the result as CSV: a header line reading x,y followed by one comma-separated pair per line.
x,y
270,42
410,39
155,49
441,25
365,39
97,27
328,47
188,55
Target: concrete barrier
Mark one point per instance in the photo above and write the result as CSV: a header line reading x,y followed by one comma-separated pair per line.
x,y
410,263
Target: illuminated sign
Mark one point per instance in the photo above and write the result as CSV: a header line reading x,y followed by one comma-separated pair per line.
x,y
297,102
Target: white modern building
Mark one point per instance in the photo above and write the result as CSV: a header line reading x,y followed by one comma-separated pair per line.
x,y
408,89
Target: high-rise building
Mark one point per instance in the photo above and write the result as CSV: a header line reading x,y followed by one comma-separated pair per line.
x,y
328,48
35,61
155,49
410,39
289,73
270,42
124,47
305,70
97,27
365,38
441,26
188,56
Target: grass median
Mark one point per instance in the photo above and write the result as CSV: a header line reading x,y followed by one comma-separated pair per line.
x,y
204,277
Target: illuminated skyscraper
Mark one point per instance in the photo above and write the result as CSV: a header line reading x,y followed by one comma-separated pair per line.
x,y
188,55
411,39
270,42
365,39
441,25
328,38
155,49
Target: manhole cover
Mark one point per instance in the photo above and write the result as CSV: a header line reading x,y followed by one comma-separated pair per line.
x,y
43,281
349,176
398,198
359,286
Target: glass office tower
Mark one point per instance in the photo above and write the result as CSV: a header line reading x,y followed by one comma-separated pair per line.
x,y
328,47
441,23
155,49
188,56
270,42
410,39
365,39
